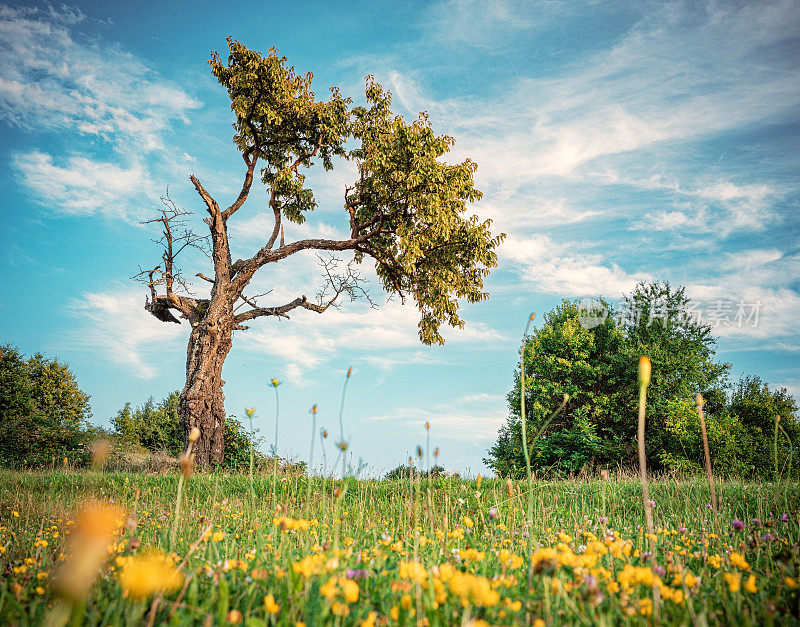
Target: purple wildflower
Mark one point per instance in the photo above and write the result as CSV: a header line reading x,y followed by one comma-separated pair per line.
x,y
768,537
738,525
494,514
785,518
358,573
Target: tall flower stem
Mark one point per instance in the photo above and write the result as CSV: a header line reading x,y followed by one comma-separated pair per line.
x,y
644,381
275,383
525,446
310,473
185,460
250,411
698,399
341,423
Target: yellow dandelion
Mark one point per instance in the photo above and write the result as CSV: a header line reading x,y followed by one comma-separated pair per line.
x,y
143,576
734,581
269,601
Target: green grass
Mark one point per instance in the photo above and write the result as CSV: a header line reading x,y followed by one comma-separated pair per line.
x,y
375,526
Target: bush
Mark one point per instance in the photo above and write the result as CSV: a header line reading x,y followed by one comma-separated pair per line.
x,y
43,412
597,368
156,429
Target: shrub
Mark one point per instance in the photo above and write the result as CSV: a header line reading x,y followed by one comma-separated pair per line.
x,y
43,412
597,368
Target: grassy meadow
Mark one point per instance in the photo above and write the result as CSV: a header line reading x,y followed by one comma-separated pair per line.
x,y
109,548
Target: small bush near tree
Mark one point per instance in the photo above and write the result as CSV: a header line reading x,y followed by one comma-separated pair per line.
x,y
155,428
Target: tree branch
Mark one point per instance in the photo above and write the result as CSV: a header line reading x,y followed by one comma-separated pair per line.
x,y
219,235
248,182
159,306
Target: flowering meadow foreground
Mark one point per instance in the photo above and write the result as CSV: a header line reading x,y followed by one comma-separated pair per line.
x,y
107,548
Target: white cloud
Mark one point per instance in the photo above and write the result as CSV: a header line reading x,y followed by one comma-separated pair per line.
x,y
716,206
486,24
50,80
458,420
677,76
82,186
566,268
747,296
116,325
104,100
309,339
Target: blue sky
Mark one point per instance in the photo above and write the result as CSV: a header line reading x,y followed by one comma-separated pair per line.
x,y
615,142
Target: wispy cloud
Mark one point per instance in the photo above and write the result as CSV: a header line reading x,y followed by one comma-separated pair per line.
x,y
462,419
54,81
115,324
79,185
567,268
51,80
309,340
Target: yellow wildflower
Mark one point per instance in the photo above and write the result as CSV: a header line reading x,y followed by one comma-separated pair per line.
x,y
270,606
471,588
329,590
94,530
349,589
791,582
145,575
733,580
413,570
737,559
750,584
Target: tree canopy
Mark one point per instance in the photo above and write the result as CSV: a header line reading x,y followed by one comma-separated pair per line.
x,y
596,366
43,412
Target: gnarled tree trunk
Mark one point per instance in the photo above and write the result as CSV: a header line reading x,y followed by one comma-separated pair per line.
x,y
202,399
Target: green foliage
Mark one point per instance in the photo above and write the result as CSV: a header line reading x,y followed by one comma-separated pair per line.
x,y
278,120
564,358
436,254
402,472
755,406
597,368
43,412
406,207
155,427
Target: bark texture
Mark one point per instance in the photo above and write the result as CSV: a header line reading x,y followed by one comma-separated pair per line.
x,y
202,401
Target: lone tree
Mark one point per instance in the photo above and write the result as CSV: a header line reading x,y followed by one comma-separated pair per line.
x,y
406,212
